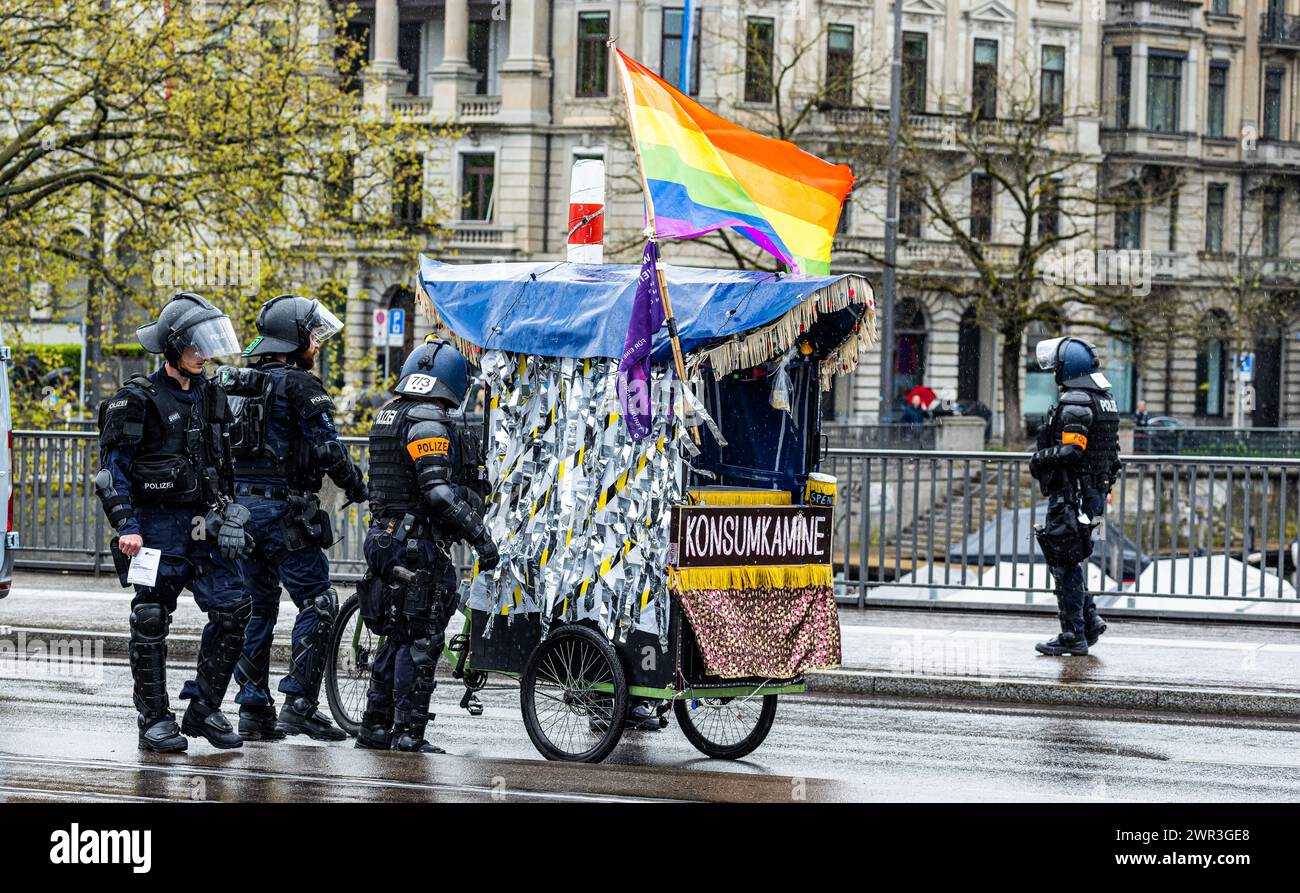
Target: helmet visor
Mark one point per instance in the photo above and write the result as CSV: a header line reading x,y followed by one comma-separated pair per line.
x,y
213,338
1049,353
322,324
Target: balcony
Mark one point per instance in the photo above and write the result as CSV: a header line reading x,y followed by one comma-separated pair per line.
x,y
481,239
1280,31
478,108
1278,153
919,255
926,127
1274,272
1180,14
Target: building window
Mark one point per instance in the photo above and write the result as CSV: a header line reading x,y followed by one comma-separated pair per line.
x,y
478,186
670,50
480,52
593,54
1214,209
969,343
839,65
408,190
981,207
1272,223
910,336
1219,7
1051,100
337,184
916,63
1123,86
351,54
1273,103
1164,92
1212,366
984,84
410,36
1122,372
759,40
911,209
1173,221
1128,228
1049,209
1216,103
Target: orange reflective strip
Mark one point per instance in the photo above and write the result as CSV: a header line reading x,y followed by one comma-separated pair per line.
x,y
429,446
1068,438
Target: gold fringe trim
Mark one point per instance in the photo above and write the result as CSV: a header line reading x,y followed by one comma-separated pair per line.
x,y
744,351
738,497
777,576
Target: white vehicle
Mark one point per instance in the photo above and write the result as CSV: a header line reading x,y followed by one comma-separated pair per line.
x,y
10,540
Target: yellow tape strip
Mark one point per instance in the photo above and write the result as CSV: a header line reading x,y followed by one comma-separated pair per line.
x,y
780,576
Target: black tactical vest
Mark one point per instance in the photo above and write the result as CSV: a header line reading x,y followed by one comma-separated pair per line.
x,y
1103,436
394,488
182,457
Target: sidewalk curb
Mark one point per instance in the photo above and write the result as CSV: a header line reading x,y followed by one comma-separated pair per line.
x,y
1219,702
1167,699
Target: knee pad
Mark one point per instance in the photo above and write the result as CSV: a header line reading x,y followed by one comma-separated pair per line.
x,y
327,605
234,620
150,621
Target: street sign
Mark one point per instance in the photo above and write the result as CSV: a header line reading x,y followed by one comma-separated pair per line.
x,y
379,329
1248,399
1245,366
396,325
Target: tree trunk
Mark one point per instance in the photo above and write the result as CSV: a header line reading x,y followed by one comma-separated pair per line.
x,y
1013,423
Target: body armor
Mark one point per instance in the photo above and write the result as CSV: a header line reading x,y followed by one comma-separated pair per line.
x,y
1102,452
394,487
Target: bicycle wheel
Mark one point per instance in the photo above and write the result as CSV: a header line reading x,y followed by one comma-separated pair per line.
x,y
574,696
347,672
726,728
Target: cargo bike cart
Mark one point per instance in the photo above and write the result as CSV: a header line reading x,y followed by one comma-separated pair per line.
x,y
664,572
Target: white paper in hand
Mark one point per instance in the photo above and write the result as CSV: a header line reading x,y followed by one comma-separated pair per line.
x,y
144,567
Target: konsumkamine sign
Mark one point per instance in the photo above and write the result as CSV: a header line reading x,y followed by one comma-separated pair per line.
x,y
723,536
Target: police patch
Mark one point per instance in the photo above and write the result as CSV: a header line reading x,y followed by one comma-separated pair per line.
x,y
429,446
387,417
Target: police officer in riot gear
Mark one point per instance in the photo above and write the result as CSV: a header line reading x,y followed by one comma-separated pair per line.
x,y
426,493
1076,462
285,443
166,483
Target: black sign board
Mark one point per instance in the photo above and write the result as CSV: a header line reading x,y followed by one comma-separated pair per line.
x,y
732,536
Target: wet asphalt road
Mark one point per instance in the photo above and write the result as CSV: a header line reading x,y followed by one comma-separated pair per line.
x,y
75,740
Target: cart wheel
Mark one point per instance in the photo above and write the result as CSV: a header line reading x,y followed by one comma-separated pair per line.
x,y
574,696
726,728
347,672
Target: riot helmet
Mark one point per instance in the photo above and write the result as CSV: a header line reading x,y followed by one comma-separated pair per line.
x,y
1073,360
435,370
189,320
287,323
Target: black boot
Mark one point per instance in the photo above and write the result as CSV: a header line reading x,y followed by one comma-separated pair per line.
x,y
203,718
257,723
1095,626
376,732
148,656
205,721
1066,644
410,739
299,716
643,717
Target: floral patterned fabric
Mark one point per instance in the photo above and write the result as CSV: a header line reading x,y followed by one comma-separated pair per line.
x,y
775,633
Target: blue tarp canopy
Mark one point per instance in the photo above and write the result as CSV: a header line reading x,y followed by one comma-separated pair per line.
x,y
581,310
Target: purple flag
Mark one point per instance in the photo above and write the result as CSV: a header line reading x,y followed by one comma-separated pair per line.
x,y
634,368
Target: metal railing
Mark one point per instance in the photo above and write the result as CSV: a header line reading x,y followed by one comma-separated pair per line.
x,y
880,437
62,527
1217,531
1276,442
1213,533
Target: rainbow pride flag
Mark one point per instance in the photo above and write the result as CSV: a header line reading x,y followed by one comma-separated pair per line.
x,y
703,173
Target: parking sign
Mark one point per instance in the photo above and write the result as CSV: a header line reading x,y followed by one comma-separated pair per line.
x,y
396,324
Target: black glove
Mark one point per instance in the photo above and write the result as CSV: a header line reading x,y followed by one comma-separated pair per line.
x,y
232,540
488,556
358,492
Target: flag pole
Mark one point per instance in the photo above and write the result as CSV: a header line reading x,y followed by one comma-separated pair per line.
x,y
678,360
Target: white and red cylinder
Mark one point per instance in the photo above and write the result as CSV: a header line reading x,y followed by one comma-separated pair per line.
x,y
586,230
